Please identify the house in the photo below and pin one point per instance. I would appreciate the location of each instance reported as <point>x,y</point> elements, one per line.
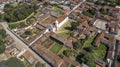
<point>84,30</point>
<point>106,17</point>
<point>11,51</point>
<point>100,63</point>
<point>115,11</point>
<point>57,38</point>
<point>51,19</point>
<point>68,63</point>
<point>51,58</point>
<point>30,58</point>
<point>112,28</point>
<point>105,38</point>
<point>110,42</point>
<point>70,41</point>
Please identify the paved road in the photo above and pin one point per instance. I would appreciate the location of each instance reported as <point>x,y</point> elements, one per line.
<point>18,40</point>
<point>75,7</point>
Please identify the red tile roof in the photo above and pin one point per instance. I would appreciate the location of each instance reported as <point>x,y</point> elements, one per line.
<point>47,55</point>
<point>104,38</point>
<point>69,62</point>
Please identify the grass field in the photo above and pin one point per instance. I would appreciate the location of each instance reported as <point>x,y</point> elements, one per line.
<point>88,42</point>
<point>56,48</point>
<point>100,52</point>
<point>63,31</point>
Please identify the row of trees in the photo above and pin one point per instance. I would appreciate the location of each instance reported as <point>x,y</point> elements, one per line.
<point>19,12</point>
<point>2,42</point>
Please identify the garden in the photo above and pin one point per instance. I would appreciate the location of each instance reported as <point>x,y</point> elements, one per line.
<point>2,41</point>
<point>89,41</point>
<point>56,48</point>
<point>17,25</point>
<point>18,12</point>
<point>66,30</point>
<point>14,62</point>
<point>47,43</point>
<point>90,53</point>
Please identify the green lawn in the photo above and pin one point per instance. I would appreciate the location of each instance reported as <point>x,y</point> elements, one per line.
<point>100,52</point>
<point>64,30</point>
<point>65,34</point>
<point>56,48</point>
<point>57,9</point>
<point>88,42</point>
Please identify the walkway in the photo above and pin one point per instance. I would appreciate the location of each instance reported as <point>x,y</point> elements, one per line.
<point>23,44</point>
<point>24,19</point>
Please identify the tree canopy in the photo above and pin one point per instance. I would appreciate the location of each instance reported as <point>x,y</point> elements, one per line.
<point>19,12</point>
<point>14,62</point>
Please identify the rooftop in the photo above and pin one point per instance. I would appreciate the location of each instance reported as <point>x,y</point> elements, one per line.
<point>52,58</point>
<point>69,62</point>
<point>105,38</point>
<point>107,18</point>
<point>101,24</point>
<point>30,57</point>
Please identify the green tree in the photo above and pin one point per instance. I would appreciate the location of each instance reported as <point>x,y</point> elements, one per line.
<point>78,44</point>
<point>17,13</point>
<point>74,25</point>
<point>14,62</point>
<point>69,53</point>
<point>2,33</point>
<point>2,46</point>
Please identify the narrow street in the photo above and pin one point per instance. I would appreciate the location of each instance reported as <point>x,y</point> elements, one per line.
<point>75,7</point>
<point>19,41</point>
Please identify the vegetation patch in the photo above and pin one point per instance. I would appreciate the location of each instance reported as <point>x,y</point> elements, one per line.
<point>2,41</point>
<point>70,53</point>
<point>89,41</point>
<point>90,12</point>
<point>17,25</point>
<point>66,30</point>
<point>56,48</point>
<point>57,9</point>
<point>92,55</point>
<point>14,62</point>
<point>19,12</point>
<point>47,43</point>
